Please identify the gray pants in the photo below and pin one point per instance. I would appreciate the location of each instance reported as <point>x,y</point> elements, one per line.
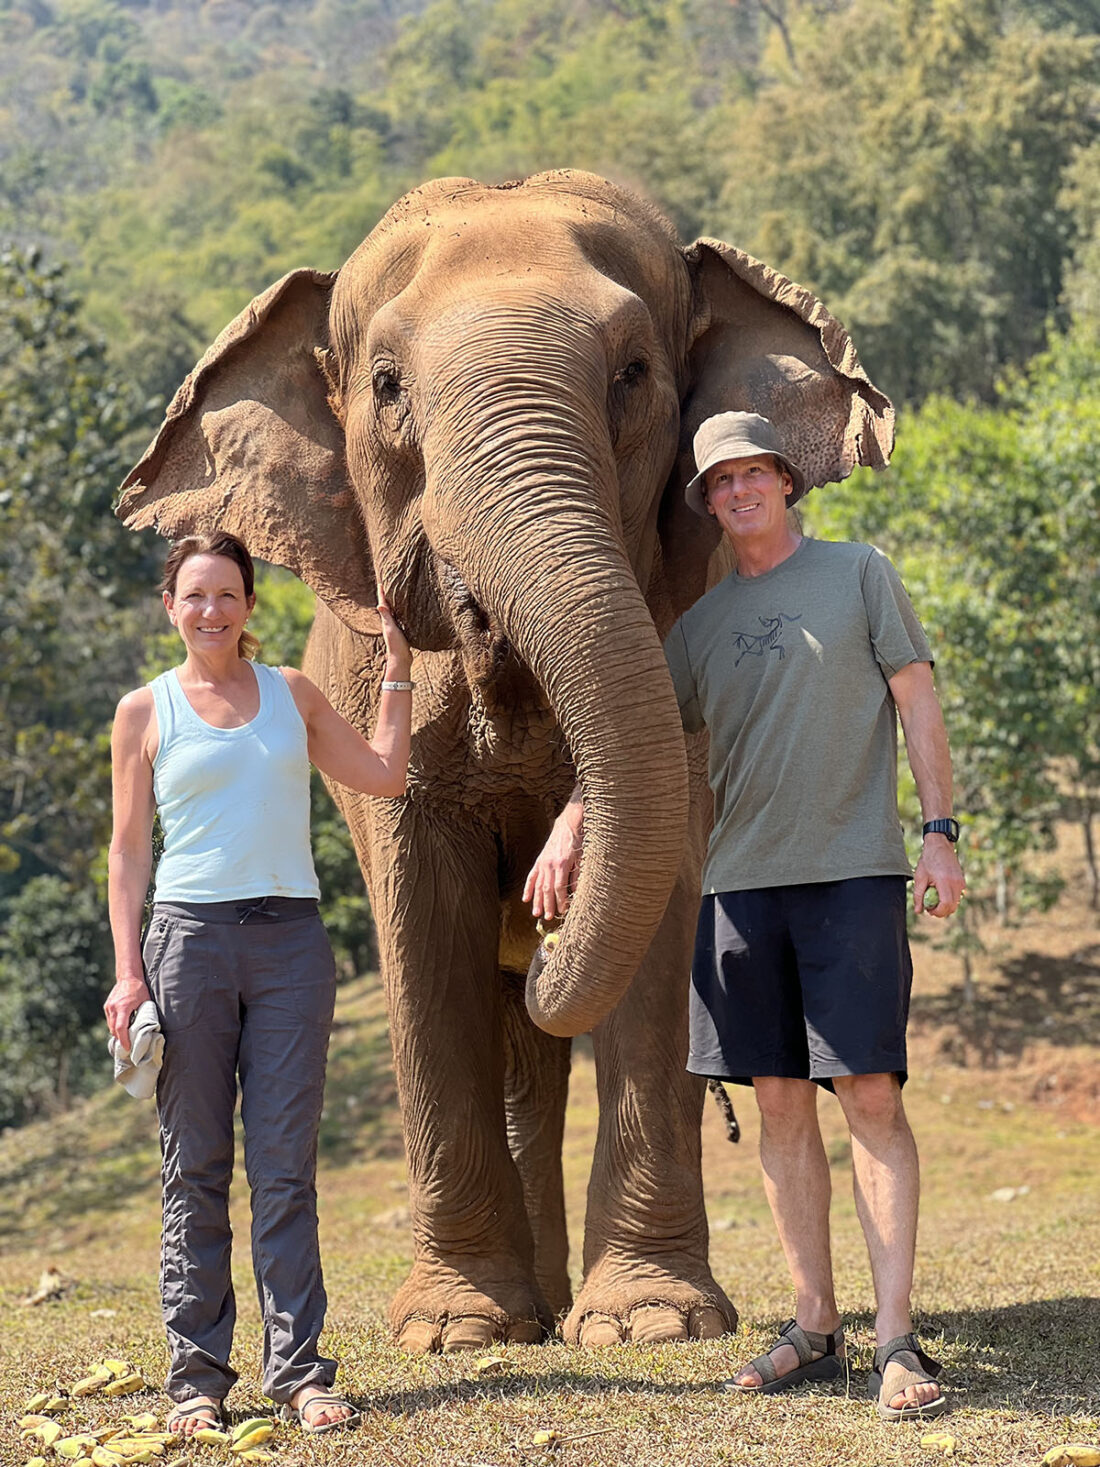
<point>242,988</point>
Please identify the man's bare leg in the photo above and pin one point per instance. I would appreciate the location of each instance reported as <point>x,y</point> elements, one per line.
<point>886,1181</point>
<point>796,1181</point>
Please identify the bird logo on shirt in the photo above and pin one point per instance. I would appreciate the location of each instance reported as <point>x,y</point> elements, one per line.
<point>751,644</point>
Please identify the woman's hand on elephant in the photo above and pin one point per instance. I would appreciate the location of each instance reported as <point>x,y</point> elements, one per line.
<point>123,1001</point>
<point>398,653</point>
<point>553,878</point>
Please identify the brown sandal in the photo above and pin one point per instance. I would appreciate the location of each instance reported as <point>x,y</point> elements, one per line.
<point>918,1369</point>
<point>818,1359</point>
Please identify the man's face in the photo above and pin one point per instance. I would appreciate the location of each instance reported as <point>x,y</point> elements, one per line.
<point>748,496</point>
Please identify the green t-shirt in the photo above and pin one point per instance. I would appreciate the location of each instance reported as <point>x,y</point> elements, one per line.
<point>787,671</point>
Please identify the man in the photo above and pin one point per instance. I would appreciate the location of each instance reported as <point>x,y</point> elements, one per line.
<point>795,664</point>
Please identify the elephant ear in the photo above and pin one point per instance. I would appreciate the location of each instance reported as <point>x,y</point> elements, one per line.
<point>759,343</point>
<point>250,444</point>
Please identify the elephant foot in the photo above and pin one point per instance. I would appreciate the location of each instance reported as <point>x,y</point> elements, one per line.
<point>446,1307</point>
<point>643,1302</point>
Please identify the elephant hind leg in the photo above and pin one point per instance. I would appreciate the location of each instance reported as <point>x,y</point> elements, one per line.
<point>536,1086</point>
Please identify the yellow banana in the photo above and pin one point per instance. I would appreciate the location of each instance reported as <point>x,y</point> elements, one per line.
<point>253,1439</point>
<point>37,1402</point>
<point>116,1368</point>
<point>938,1441</point>
<point>89,1385</point>
<point>546,1438</point>
<point>104,1457</point>
<point>28,1423</point>
<point>1073,1454</point>
<point>131,1446</point>
<point>209,1437</point>
<point>49,1432</point>
<point>144,1422</point>
<point>55,1403</point>
<point>126,1385</point>
<point>257,1454</point>
<point>72,1447</point>
<point>254,1423</point>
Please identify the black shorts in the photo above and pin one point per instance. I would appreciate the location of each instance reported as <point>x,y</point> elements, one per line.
<point>804,982</point>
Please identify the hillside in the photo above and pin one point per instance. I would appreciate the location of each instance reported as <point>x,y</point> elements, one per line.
<point>929,171</point>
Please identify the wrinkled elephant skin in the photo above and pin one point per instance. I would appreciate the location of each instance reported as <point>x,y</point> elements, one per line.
<point>490,409</point>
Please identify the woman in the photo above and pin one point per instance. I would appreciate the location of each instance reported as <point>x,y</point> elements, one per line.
<point>238,964</point>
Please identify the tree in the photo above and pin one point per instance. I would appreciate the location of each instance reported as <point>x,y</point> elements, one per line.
<point>54,974</point>
<point>990,514</point>
<point>69,573</point>
<point>911,175</point>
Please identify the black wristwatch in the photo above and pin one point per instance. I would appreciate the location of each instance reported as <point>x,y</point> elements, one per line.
<point>948,826</point>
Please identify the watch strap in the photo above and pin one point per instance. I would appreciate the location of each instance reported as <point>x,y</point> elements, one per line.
<point>947,826</point>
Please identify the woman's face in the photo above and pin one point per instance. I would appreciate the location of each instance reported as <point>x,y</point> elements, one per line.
<point>209,608</point>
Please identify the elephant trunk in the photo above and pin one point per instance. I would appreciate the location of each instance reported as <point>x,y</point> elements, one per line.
<point>543,556</point>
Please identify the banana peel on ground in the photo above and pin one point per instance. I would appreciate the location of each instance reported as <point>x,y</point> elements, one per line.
<point>1073,1454</point>
<point>938,1441</point>
<point>254,1423</point>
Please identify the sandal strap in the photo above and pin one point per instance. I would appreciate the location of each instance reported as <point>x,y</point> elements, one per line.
<point>187,1409</point>
<point>920,1366</point>
<point>807,1344</point>
<point>322,1401</point>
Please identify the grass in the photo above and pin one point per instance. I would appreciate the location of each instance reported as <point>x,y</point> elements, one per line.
<point>1005,1101</point>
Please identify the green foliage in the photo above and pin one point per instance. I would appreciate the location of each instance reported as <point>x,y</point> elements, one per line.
<point>910,173</point>
<point>991,514</point>
<point>54,966</point>
<point>928,170</point>
<point>68,634</point>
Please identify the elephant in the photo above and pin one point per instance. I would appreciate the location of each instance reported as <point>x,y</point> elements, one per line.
<point>489,410</point>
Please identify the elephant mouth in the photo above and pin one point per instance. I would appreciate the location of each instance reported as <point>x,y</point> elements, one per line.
<point>487,653</point>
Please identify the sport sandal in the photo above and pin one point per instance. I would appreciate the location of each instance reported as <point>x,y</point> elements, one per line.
<point>203,1413</point>
<point>918,1369</point>
<point>818,1359</point>
<point>322,1401</point>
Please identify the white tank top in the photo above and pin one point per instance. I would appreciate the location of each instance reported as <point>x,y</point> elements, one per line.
<point>233,802</point>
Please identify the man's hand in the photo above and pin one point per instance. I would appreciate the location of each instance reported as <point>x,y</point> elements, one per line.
<point>553,878</point>
<point>939,867</point>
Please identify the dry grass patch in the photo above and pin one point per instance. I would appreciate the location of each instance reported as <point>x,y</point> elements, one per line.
<point>1007,1286</point>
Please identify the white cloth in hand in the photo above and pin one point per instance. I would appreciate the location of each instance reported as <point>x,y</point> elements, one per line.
<point>137,1068</point>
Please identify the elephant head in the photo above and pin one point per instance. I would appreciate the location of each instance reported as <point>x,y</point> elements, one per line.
<point>490,409</point>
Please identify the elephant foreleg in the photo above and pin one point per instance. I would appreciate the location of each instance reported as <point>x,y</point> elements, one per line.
<point>536,1084</point>
<point>434,893</point>
<point>646,1275</point>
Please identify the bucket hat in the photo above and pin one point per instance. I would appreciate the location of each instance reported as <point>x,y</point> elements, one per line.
<point>736,435</point>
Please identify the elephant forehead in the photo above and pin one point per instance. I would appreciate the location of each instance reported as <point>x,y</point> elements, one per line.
<point>484,237</point>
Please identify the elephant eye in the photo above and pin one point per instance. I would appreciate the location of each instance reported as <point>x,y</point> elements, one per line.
<point>632,372</point>
<point>387,385</point>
